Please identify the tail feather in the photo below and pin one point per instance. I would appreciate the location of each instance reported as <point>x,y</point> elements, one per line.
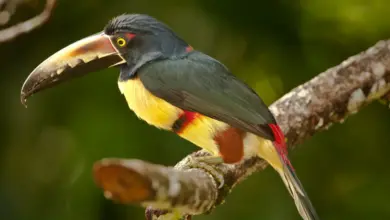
<point>282,165</point>
<point>301,199</point>
<point>275,153</point>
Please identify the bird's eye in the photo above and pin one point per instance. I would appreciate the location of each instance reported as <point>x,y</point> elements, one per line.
<point>121,42</point>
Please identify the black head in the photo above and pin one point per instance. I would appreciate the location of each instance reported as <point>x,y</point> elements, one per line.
<point>129,41</point>
<point>141,39</point>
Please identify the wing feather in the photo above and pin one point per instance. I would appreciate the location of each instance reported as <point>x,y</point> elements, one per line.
<point>201,84</point>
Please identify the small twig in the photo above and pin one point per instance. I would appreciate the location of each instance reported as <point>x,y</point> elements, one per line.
<point>7,9</point>
<point>27,26</point>
<point>308,109</point>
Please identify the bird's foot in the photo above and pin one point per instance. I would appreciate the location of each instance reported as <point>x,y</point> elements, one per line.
<point>208,163</point>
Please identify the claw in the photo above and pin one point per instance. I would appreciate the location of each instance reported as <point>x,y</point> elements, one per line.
<point>208,163</point>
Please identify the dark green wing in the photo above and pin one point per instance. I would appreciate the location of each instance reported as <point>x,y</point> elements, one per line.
<point>201,84</point>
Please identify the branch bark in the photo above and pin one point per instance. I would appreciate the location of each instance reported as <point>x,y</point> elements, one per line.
<point>26,26</point>
<point>192,188</point>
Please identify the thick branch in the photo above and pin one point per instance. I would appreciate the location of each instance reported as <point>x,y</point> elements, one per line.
<point>312,107</point>
<point>26,26</point>
<point>136,181</point>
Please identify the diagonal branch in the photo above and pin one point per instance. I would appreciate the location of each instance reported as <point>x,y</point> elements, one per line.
<point>191,188</point>
<point>29,25</point>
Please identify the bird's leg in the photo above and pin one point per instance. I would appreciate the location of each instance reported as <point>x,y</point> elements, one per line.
<point>212,160</point>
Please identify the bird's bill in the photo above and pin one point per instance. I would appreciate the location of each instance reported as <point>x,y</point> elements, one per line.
<point>90,54</point>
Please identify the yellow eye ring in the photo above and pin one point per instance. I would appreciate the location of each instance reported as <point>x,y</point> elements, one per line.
<point>121,42</point>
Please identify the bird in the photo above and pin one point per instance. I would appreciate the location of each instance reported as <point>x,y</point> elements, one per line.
<point>172,86</point>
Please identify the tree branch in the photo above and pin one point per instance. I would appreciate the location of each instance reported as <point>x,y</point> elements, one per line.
<point>191,188</point>
<point>26,26</point>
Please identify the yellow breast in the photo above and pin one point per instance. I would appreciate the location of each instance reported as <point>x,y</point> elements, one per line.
<point>148,107</point>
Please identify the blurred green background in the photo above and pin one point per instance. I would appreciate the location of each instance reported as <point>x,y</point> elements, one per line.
<point>47,150</point>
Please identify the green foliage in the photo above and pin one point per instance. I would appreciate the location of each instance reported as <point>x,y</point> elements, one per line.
<point>47,150</point>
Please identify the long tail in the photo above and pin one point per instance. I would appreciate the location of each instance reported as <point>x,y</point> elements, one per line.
<point>276,155</point>
<point>301,199</point>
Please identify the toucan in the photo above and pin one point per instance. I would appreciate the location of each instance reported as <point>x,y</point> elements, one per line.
<point>172,86</point>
